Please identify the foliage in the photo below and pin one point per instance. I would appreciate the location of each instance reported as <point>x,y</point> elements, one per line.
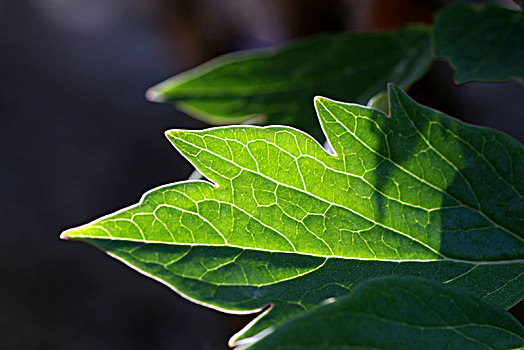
<point>278,85</point>
<point>483,43</point>
<point>402,193</point>
<point>399,313</point>
<point>284,222</point>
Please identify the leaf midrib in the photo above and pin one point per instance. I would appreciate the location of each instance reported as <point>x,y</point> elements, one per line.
<point>304,85</point>
<point>345,208</point>
<point>264,250</point>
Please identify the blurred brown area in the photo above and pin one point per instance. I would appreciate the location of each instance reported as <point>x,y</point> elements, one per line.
<point>79,141</point>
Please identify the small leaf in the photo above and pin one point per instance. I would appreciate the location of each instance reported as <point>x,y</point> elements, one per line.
<point>276,86</point>
<point>284,222</point>
<point>482,42</point>
<point>380,102</point>
<point>399,313</point>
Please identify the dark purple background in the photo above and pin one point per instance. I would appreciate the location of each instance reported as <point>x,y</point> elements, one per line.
<point>78,140</point>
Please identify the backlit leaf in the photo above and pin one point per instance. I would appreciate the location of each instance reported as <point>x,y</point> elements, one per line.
<point>284,222</point>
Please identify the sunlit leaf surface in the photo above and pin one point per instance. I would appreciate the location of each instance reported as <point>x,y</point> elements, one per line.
<point>284,222</point>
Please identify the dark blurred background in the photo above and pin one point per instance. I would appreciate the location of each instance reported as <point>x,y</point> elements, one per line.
<point>78,140</point>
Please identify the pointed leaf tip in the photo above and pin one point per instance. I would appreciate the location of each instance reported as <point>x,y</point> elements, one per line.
<point>173,133</point>
<point>153,95</point>
<point>320,100</point>
<point>65,235</point>
<point>317,99</point>
<point>71,233</point>
<point>394,88</point>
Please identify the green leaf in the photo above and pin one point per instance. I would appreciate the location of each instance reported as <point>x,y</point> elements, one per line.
<point>380,102</point>
<point>482,42</point>
<point>276,86</point>
<point>399,313</point>
<point>284,222</point>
